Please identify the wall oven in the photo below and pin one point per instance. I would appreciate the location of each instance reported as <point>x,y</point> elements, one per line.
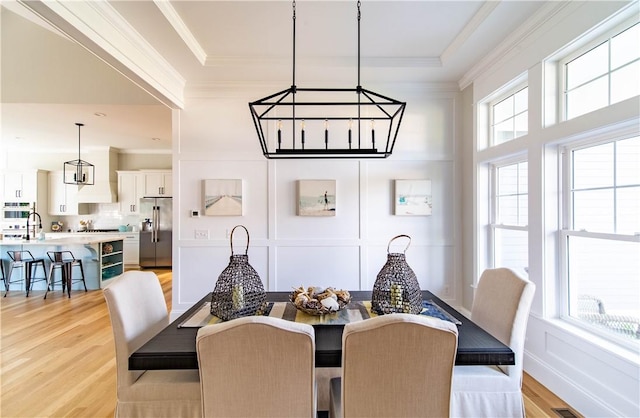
<point>13,231</point>
<point>14,220</point>
<point>16,211</point>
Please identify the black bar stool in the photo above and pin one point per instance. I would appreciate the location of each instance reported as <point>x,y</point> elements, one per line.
<point>24,260</point>
<point>65,261</point>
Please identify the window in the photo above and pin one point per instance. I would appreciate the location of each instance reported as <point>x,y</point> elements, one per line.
<point>604,74</point>
<point>601,238</point>
<point>510,216</point>
<point>509,116</point>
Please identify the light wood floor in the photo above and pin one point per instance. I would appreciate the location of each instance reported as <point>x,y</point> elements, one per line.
<point>57,357</point>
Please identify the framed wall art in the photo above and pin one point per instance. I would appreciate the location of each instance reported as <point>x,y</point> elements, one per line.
<point>413,197</point>
<point>222,197</point>
<point>316,198</point>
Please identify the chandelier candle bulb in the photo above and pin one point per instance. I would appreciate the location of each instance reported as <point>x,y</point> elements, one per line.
<point>279,133</point>
<point>326,134</point>
<point>373,134</point>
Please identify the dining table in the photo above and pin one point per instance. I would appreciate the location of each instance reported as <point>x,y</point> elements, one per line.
<point>175,346</point>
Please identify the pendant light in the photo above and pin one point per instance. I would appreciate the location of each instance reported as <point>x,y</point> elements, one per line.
<point>79,172</point>
<point>326,122</point>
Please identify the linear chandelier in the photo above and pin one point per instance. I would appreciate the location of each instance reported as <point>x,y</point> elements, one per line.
<point>78,172</point>
<point>326,122</point>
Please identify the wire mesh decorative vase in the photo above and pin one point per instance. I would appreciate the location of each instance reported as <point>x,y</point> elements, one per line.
<point>396,288</point>
<point>239,290</point>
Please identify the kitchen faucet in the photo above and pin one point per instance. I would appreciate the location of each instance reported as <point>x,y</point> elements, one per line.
<point>34,213</point>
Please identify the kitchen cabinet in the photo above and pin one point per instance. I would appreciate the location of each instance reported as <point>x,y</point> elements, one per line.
<point>22,185</point>
<point>158,184</point>
<point>63,198</point>
<point>130,190</point>
<point>131,243</point>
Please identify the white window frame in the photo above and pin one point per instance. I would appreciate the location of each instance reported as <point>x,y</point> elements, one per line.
<point>562,76</point>
<point>566,232</point>
<point>493,206</point>
<point>512,91</point>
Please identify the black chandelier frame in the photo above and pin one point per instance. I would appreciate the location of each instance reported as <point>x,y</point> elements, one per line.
<point>294,108</point>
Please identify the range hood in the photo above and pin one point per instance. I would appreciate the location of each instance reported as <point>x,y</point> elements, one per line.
<point>106,181</point>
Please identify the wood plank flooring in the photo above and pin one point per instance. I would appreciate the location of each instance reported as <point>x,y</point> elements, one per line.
<point>57,357</point>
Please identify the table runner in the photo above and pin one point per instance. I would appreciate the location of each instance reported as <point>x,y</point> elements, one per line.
<point>354,311</point>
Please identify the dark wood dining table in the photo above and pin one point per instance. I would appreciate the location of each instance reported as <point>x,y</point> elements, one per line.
<point>175,347</point>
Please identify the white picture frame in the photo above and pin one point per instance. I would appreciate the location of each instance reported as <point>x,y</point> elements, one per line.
<point>412,198</point>
<point>222,197</point>
<point>316,198</point>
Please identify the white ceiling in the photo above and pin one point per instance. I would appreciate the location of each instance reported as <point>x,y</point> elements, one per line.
<point>49,82</point>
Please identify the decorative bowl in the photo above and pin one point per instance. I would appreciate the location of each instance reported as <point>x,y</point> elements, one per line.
<point>107,248</point>
<point>319,301</point>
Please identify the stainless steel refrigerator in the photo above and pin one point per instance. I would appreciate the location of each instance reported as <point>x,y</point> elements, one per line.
<point>155,236</point>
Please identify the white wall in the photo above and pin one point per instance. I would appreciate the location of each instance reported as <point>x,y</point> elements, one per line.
<point>214,138</point>
<point>593,376</point>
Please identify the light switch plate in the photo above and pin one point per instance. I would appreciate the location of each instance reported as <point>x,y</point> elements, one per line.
<point>202,234</point>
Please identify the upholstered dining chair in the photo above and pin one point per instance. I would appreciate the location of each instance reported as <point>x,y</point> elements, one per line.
<point>501,307</point>
<point>257,366</point>
<point>397,365</point>
<point>138,311</point>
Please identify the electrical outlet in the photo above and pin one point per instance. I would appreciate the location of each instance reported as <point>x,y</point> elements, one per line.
<point>202,234</point>
<point>446,290</point>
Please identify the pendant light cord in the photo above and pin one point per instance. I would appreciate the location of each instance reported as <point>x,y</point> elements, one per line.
<point>359,15</point>
<point>293,83</point>
<point>79,125</point>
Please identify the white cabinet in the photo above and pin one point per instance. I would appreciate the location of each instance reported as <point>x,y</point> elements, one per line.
<point>158,184</point>
<point>63,198</point>
<point>20,186</point>
<point>130,190</point>
<point>132,249</point>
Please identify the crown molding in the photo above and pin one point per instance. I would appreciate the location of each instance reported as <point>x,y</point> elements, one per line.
<point>511,43</point>
<point>100,29</point>
<point>468,30</point>
<point>252,90</point>
<point>182,29</point>
<point>336,62</point>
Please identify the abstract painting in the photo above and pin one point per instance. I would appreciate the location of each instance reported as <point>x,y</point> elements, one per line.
<point>316,198</point>
<point>222,197</point>
<point>413,197</point>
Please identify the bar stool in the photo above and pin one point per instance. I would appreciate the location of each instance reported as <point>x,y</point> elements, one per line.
<point>24,260</point>
<point>65,261</point>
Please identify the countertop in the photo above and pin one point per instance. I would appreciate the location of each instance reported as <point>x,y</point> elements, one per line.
<point>76,240</point>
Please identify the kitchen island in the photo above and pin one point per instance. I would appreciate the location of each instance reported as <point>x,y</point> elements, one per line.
<point>102,257</point>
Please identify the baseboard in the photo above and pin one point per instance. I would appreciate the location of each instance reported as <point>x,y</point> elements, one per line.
<point>587,404</point>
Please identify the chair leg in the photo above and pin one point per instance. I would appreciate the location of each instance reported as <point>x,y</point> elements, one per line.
<point>82,275</point>
<point>50,280</point>
<point>67,273</point>
<point>28,274</point>
<point>32,268</point>
<point>7,281</point>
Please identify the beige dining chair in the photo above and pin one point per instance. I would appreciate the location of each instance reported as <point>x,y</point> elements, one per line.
<point>397,365</point>
<point>501,307</point>
<point>257,366</point>
<point>138,312</point>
